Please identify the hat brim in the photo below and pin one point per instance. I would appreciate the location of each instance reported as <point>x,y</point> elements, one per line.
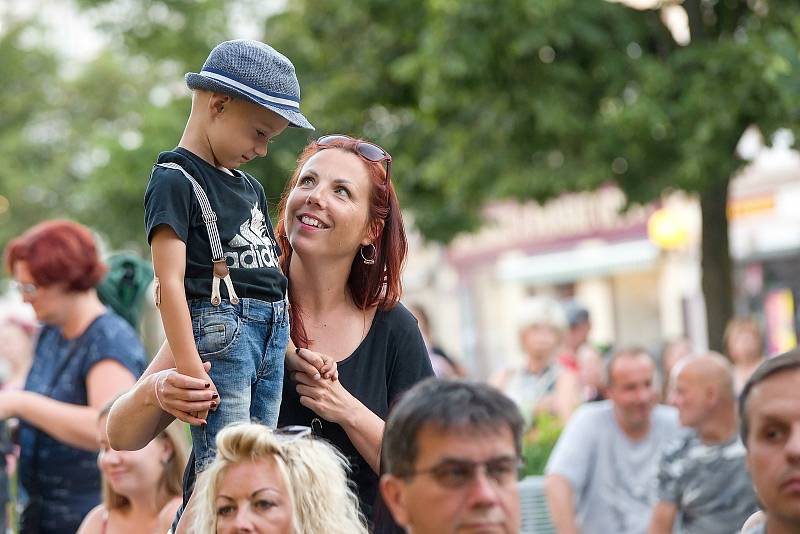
<point>202,83</point>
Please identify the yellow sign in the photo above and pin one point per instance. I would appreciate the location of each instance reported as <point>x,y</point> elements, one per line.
<point>749,206</point>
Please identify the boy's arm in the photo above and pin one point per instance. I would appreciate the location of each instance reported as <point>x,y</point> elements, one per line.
<point>169,264</point>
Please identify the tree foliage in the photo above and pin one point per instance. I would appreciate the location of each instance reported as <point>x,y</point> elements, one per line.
<point>533,98</point>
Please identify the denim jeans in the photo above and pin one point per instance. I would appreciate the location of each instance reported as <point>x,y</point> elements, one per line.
<point>246,345</point>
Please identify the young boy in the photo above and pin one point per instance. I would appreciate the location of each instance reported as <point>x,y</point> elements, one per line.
<point>219,288</point>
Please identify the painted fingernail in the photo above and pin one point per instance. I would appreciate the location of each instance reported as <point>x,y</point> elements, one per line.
<point>297,350</point>
<point>203,424</point>
<point>213,405</point>
<point>214,395</point>
<point>208,385</point>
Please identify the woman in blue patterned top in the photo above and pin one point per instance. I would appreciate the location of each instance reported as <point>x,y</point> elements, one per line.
<point>85,355</point>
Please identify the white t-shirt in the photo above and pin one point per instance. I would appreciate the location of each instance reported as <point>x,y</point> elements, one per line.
<point>614,479</point>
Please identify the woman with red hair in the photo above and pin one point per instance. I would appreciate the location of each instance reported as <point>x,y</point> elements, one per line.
<point>343,246</point>
<point>85,355</point>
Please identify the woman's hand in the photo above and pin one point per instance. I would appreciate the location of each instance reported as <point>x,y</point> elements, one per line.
<point>313,364</point>
<point>331,401</point>
<point>183,396</point>
<point>327,398</point>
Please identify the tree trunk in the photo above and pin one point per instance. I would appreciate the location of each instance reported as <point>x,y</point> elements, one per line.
<point>716,262</point>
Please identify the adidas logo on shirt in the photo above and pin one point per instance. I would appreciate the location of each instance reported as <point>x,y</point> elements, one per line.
<point>253,236</point>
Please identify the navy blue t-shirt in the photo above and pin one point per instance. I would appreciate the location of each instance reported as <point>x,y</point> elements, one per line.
<point>64,479</point>
<point>245,231</point>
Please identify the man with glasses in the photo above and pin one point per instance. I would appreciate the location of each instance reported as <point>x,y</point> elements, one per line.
<point>451,452</point>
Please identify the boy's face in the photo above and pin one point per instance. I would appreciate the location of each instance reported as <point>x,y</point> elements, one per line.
<point>239,131</point>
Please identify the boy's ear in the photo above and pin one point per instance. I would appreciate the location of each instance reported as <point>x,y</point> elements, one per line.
<point>216,103</point>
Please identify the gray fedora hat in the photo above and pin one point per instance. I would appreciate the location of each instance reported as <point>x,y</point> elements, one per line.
<point>255,72</point>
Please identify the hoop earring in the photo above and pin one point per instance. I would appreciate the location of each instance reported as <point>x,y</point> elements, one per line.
<point>371,259</point>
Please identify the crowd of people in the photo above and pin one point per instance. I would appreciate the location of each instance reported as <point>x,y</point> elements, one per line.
<point>317,402</point>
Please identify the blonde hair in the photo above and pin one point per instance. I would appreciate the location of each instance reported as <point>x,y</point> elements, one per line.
<point>313,471</point>
<point>172,476</point>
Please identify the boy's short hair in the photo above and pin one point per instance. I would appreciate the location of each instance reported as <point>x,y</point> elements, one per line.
<point>255,72</point>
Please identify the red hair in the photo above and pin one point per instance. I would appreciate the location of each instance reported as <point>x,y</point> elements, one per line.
<point>58,252</point>
<point>369,285</point>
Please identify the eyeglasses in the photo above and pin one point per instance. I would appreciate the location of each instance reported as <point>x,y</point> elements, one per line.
<point>368,151</point>
<point>25,288</point>
<point>459,474</point>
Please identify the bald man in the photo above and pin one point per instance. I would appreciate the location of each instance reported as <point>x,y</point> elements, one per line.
<point>703,480</point>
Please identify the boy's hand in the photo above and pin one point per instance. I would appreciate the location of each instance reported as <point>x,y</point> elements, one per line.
<point>199,371</point>
<point>182,396</point>
<point>315,364</point>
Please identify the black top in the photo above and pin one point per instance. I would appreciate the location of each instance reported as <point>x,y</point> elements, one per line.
<point>391,359</point>
<point>245,232</point>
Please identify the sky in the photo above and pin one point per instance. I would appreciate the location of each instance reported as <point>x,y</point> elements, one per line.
<point>72,34</point>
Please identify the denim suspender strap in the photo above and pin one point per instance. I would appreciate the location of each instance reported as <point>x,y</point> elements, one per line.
<point>221,271</point>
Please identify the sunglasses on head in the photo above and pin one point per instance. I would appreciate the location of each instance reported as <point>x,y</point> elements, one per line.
<point>368,151</point>
<point>290,434</point>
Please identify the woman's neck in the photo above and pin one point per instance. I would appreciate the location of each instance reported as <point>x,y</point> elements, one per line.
<point>146,505</point>
<point>81,309</point>
<point>321,286</point>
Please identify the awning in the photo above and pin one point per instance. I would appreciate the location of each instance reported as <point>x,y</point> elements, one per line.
<point>591,259</point>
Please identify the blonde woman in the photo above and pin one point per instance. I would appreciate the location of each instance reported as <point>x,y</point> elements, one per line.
<point>141,489</point>
<point>265,482</point>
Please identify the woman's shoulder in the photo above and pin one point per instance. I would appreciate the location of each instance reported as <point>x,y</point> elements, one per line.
<point>110,323</point>
<point>398,328</point>
<point>94,520</point>
<point>110,334</point>
<point>167,514</point>
<point>397,317</point>
<point>111,330</point>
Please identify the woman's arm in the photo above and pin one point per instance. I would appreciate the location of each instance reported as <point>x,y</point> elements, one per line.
<point>331,401</point>
<point>137,418</point>
<point>69,423</point>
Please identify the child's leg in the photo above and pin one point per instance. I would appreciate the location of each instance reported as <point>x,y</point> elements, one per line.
<point>268,386</point>
<point>218,334</point>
